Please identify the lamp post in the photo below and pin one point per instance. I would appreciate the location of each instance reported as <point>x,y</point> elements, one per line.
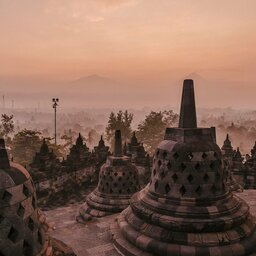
<point>54,105</point>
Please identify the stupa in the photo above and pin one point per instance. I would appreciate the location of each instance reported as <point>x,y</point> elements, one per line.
<point>228,153</point>
<point>136,151</point>
<point>118,181</point>
<point>139,157</point>
<point>101,152</point>
<point>79,156</point>
<point>45,163</point>
<point>21,233</point>
<point>249,170</point>
<point>187,208</point>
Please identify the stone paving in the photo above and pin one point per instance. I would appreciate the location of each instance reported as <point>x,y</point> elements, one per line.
<point>85,240</point>
<point>250,197</point>
<point>94,239</point>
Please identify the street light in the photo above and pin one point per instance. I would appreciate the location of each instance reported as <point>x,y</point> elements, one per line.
<point>54,105</point>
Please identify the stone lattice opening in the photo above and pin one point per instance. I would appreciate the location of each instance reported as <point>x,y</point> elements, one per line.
<point>31,224</point>
<point>7,196</point>
<point>176,155</point>
<point>183,167</point>
<point>27,249</point>
<point>25,191</point>
<point>13,235</point>
<point>175,177</point>
<point>34,202</point>
<point>21,211</point>
<point>162,175</point>
<point>206,177</point>
<point>1,219</point>
<point>204,155</point>
<point>190,178</point>
<point>199,190</point>
<point>39,237</point>
<point>213,189</point>
<point>156,185</point>
<point>167,188</point>
<point>183,190</point>
<point>169,165</point>
<point>197,166</point>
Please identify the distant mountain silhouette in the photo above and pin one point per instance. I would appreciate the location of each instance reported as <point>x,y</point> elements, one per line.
<point>94,82</point>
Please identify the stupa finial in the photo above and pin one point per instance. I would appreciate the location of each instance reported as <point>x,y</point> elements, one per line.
<point>4,160</point>
<point>118,143</point>
<point>188,106</point>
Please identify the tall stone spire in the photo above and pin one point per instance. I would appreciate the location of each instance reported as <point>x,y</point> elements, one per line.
<point>227,148</point>
<point>134,140</point>
<point>44,148</point>
<point>118,144</point>
<point>4,160</point>
<point>188,106</point>
<point>101,142</point>
<point>79,140</point>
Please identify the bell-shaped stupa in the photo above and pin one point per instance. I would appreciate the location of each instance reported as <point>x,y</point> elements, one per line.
<point>228,152</point>
<point>187,208</point>
<point>118,181</point>
<point>21,233</point>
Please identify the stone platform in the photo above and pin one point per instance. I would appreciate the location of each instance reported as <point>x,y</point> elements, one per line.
<point>94,239</point>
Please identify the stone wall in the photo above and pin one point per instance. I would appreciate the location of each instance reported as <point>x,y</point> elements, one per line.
<point>246,178</point>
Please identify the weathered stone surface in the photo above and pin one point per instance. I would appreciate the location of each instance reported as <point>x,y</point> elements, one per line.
<point>187,208</point>
<point>228,154</point>
<point>92,239</point>
<point>23,228</point>
<point>118,181</point>
<point>135,150</point>
<point>100,153</point>
<point>79,156</point>
<point>45,163</point>
<point>20,229</point>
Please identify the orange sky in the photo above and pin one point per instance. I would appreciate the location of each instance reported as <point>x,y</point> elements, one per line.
<point>130,39</point>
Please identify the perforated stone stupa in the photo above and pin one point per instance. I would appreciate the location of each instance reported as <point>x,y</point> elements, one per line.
<point>118,181</point>
<point>187,208</point>
<point>45,163</point>
<point>21,233</point>
<point>228,153</point>
<point>79,156</point>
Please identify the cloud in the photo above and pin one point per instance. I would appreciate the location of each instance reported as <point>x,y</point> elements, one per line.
<point>105,5</point>
<point>94,18</point>
<point>79,6</point>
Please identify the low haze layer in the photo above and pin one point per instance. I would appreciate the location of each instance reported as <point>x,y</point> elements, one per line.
<point>141,49</point>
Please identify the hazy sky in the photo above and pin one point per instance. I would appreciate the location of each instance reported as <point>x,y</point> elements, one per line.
<point>130,39</point>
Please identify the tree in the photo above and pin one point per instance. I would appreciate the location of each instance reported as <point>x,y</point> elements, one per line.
<point>151,130</point>
<point>119,121</point>
<point>24,146</point>
<point>7,125</point>
<point>26,143</point>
